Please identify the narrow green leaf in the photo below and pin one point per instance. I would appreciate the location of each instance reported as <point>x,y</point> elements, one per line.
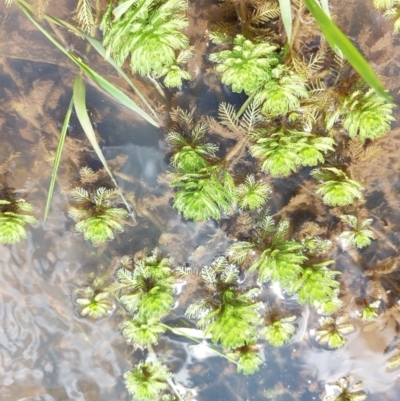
<point>79,98</point>
<point>325,7</point>
<point>98,46</point>
<point>338,40</point>
<point>111,90</point>
<point>286,12</point>
<point>121,9</point>
<point>58,157</point>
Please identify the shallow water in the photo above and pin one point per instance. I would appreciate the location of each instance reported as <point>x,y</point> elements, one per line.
<point>48,352</point>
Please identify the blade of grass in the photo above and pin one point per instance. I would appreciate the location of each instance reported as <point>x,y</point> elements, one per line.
<point>286,12</point>
<point>79,99</point>
<point>98,46</point>
<point>58,157</point>
<point>121,9</point>
<point>325,7</point>
<point>338,40</point>
<point>110,89</point>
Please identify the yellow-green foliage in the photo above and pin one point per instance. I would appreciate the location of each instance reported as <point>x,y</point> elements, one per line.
<point>148,32</point>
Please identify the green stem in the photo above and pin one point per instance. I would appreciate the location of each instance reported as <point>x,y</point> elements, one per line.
<point>181,333</point>
<point>245,104</point>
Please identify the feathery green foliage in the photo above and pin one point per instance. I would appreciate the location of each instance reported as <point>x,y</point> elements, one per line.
<point>331,331</point>
<point>337,189</point>
<point>147,289</point>
<point>252,194</point>
<point>84,16</point>
<point>147,380</point>
<point>190,154</point>
<point>227,314</point>
<point>149,33</point>
<point>282,94</point>
<point>248,357</point>
<point>12,221</point>
<point>205,194</point>
<point>282,152</point>
<point>94,302</point>
<point>204,189</point>
<point>95,215</point>
<point>392,10</point>
<point>248,66</point>
<point>279,332</point>
<point>346,389</point>
<point>358,235</point>
<point>141,331</point>
<point>277,258</point>
<point>366,115</point>
<point>316,284</point>
<point>371,311</point>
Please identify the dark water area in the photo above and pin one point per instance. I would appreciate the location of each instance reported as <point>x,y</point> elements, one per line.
<point>49,353</point>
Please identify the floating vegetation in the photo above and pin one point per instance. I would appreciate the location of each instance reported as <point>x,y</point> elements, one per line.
<point>332,331</point>
<point>359,235</point>
<point>147,380</point>
<point>149,33</point>
<point>270,263</point>
<point>96,216</point>
<point>345,389</point>
<point>13,220</point>
<point>94,301</point>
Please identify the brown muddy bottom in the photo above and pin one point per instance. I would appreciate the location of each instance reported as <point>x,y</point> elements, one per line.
<point>48,352</point>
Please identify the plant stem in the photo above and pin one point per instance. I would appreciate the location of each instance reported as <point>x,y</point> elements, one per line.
<point>245,104</point>
<point>181,333</point>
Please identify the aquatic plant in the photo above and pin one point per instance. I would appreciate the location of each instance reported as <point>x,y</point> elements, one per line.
<point>278,331</point>
<point>190,154</point>
<point>345,389</point>
<point>392,10</point>
<point>149,33</point>
<point>365,115</point>
<point>277,258</point>
<point>147,380</point>
<point>205,194</point>
<point>316,284</point>
<point>205,188</point>
<point>227,314</point>
<point>142,331</point>
<point>358,235</point>
<point>394,361</point>
<point>332,330</point>
<point>248,66</point>
<point>148,289</point>
<point>94,302</point>
<point>13,221</point>
<point>248,359</point>
<point>371,311</point>
<point>95,215</point>
<point>337,189</point>
<point>283,151</point>
<point>252,194</point>
<point>282,94</point>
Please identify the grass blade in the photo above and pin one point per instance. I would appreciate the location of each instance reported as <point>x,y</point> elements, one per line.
<point>121,9</point>
<point>98,46</point>
<point>79,99</point>
<point>325,7</point>
<point>338,40</point>
<point>58,157</point>
<point>111,90</point>
<point>286,12</point>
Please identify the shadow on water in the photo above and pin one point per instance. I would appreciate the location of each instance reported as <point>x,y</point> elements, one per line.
<point>47,352</point>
